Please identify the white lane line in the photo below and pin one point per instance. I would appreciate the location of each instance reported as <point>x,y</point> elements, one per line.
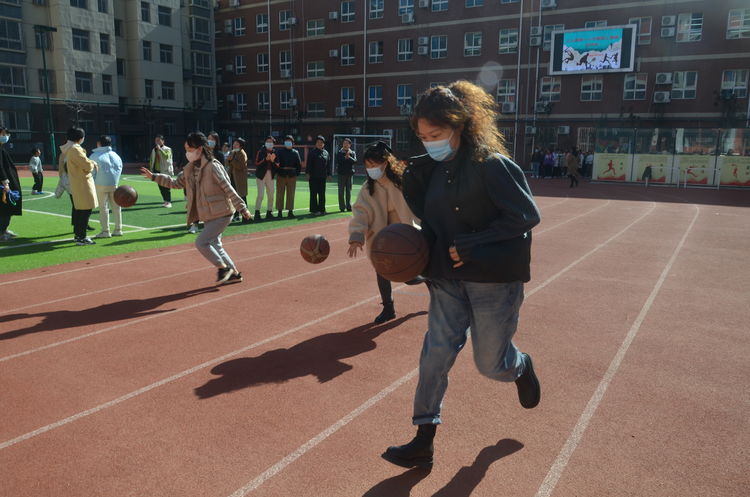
<point>234,239</point>
<point>300,451</point>
<point>37,197</point>
<point>67,216</point>
<point>572,218</point>
<point>177,376</point>
<point>557,468</point>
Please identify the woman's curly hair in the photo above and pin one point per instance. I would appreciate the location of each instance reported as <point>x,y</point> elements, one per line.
<point>463,103</point>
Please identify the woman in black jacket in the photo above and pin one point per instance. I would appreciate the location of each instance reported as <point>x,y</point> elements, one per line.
<point>477,213</point>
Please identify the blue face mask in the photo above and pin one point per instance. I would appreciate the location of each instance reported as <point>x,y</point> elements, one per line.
<point>211,143</point>
<point>269,146</point>
<point>439,149</point>
<point>4,139</point>
<point>288,144</point>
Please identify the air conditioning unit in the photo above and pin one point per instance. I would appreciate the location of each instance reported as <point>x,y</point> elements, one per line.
<point>663,78</point>
<point>563,130</point>
<point>549,4</point>
<point>286,73</point>
<point>535,41</point>
<point>356,130</point>
<point>333,15</point>
<point>667,32</point>
<point>229,68</point>
<point>423,40</point>
<point>340,111</point>
<point>423,50</point>
<point>668,20</point>
<point>291,21</point>
<point>424,4</point>
<point>530,130</point>
<point>292,101</point>
<point>661,97</point>
<point>230,97</point>
<point>228,26</point>
<point>540,107</point>
<point>236,115</point>
<point>334,52</point>
<point>536,31</point>
<point>234,3</point>
<point>388,132</point>
<point>407,18</point>
<point>405,110</point>
<point>508,107</point>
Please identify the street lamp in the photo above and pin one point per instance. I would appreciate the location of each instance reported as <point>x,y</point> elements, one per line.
<point>41,32</point>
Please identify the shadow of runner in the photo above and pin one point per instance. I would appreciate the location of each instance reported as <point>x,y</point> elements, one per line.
<point>398,486</point>
<point>320,356</point>
<point>106,313</point>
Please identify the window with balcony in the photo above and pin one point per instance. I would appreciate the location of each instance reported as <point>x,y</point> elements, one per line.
<point>10,34</point>
<point>199,29</point>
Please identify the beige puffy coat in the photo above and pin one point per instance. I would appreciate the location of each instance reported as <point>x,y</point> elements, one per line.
<point>73,160</point>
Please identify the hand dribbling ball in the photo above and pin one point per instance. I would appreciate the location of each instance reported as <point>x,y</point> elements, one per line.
<point>399,252</point>
<point>125,196</point>
<point>314,249</point>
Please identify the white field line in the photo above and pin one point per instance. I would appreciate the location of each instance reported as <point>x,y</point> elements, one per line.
<point>563,223</point>
<point>68,217</point>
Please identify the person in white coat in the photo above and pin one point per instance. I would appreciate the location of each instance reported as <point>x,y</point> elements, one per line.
<point>106,180</point>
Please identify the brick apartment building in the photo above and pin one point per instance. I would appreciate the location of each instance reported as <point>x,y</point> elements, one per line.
<point>357,66</point>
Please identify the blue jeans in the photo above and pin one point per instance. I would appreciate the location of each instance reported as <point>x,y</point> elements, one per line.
<point>209,244</point>
<point>489,311</point>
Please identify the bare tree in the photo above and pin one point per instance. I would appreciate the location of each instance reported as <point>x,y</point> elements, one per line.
<point>76,108</point>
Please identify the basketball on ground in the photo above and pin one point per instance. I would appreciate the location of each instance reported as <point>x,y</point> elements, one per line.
<point>314,249</point>
<point>126,196</point>
<point>399,252</point>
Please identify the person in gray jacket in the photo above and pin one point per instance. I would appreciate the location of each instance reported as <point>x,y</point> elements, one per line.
<point>106,180</point>
<point>209,197</point>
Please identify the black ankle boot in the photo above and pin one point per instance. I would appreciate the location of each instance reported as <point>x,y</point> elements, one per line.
<point>415,454</point>
<point>387,314</point>
<point>269,215</point>
<point>256,216</point>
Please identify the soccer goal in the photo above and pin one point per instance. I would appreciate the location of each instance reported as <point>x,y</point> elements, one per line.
<point>359,143</point>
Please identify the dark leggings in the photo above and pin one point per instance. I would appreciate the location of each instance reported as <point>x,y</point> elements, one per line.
<point>573,180</point>
<point>80,222</point>
<point>385,289</point>
<point>4,222</point>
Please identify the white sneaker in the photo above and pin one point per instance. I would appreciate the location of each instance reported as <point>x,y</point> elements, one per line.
<point>117,233</point>
<point>103,234</point>
<point>5,237</point>
<point>193,229</point>
<point>168,205</point>
<point>10,233</point>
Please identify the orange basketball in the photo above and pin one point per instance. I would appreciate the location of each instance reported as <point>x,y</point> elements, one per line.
<point>314,249</point>
<point>399,252</point>
<point>126,196</point>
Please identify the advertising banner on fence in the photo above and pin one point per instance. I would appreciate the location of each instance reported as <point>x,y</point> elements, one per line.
<point>611,167</point>
<point>735,170</point>
<point>696,169</point>
<point>656,167</point>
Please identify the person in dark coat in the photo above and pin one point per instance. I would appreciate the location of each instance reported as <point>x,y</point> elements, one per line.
<point>290,165</point>
<point>318,170</point>
<point>10,197</point>
<point>266,164</point>
<point>345,160</point>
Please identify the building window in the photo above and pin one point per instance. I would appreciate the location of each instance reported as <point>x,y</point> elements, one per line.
<point>148,87</point>
<point>506,91</point>
<point>261,23</point>
<point>474,3</point>
<point>284,16</point>
<point>145,12</point>
<point>169,128</point>
<point>738,24</point>
<point>202,95</point>
<point>263,101</point>
<point>241,100</point>
<point>18,121</point>
<point>635,86</point>
<point>146,50</point>
<point>591,88</point>
<point>261,62</point>
<point>239,26</point>
<point>347,55</point>
<point>81,4</point>
<point>102,6</point>
<point>508,41</point>
<point>240,66</point>
<point>403,96</point>
<point>285,60</point>
<point>165,16</point>
<point>375,96</point>
<point>644,29</point>
<point>550,90</point>
<point>167,90</point>
<point>316,27</point>
<point>285,99</point>
<point>202,63</point>
<point>347,97</point>
<point>106,84</point>
<point>347,11</point>
<point>376,9</point>
<point>439,5</point>
<point>166,54</point>
<point>109,127</point>
<point>12,80</point>
<point>118,27</point>
<point>548,29</point>
<point>689,27</point>
<point>375,52</point>
<point>684,85</point>
<point>405,7</point>
<point>509,1</point>
<point>104,43</point>
<point>81,40</point>
<point>595,24</point>
<point>472,44</point>
<point>199,30</point>
<point>42,39</point>
<point>316,69</point>
<point>438,47</point>
<point>84,82</point>
<point>405,50</point>
<point>120,67</point>
<point>316,109</point>
<point>735,81</point>
<point>403,136</point>
<point>10,34</point>
<point>50,80</point>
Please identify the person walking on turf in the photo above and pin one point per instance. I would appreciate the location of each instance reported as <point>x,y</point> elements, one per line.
<point>82,188</point>
<point>10,188</point>
<point>237,166</point>
<point>290,165</point>
<point>209,197</point>
<point>266,164</point>
<point>318,171</point>
<point>477,213</point>
<point>35,166</point>
<point>379,203</point>
<point>106,179</point>
<point>345,160</point>
<point>161,162</point>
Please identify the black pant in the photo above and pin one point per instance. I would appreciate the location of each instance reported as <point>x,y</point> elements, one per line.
<point>317,195</point>
<point>38,180</point>
<point>385,289</point>
<point>345,191</point>
<point>80,222</point>
<point>4,222</point>
<point>166,193</point>
<point>573,179</point>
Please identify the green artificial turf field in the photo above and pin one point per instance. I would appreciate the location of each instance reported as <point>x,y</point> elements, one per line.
<point>45,234</point>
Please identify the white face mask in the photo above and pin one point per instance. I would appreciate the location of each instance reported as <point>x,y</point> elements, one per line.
<point>211,143</point>
<point>288,144</point>
<point>375,173</point>
<point>4,139</point>
<point>193,155</point>
<point>439,149</point>
<point>269,146</point>
<point>235,150</point>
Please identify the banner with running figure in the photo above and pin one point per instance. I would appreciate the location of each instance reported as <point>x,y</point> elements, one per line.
<point>696,169</point>
<point>735,170</point>
<point>612,167</point>
<point>657,168</point>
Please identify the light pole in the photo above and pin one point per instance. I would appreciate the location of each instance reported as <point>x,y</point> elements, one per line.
<point>42,33</point>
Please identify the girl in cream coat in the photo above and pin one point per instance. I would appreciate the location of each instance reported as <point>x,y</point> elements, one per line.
<point>379,203</point>
<point>73,160</point>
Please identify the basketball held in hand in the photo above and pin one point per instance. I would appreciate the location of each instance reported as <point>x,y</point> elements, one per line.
<point>399,252</point>
<point>314,249</point>
<point>126,196</point>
